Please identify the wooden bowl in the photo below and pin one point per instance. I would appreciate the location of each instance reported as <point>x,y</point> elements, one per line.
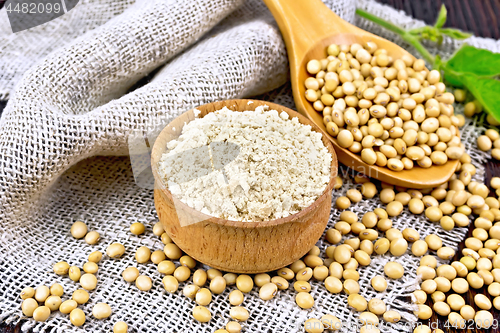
<point>236,246</point>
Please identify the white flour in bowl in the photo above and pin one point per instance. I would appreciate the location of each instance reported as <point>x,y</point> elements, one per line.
<point>247,166</point>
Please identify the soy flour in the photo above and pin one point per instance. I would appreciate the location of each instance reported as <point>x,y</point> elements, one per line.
<point>279,167</point>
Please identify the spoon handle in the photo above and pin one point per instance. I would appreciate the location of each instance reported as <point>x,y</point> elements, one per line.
<point>303,23</point>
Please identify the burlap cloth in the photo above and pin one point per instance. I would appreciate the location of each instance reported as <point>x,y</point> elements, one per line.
<point>66,83</point>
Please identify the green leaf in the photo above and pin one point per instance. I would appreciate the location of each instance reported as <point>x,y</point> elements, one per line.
<point>486,91</point>
<point>452,79</point>
<point>441,19</point>
<point>476,69</point>
<point>480,62</point>
<point>455,33</point>
<point>449,76</point>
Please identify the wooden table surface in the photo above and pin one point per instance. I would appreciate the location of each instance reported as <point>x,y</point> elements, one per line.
<point>481,17</point>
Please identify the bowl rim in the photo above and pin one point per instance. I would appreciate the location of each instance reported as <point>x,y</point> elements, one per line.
<point>159,185</point>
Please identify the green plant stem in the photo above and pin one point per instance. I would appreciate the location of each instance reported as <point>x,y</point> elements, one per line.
<point>409,38</point>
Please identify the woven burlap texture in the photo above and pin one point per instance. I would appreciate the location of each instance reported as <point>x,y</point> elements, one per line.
<point>72,106</point>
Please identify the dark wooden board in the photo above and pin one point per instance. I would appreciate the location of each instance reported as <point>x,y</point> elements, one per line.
<point>481,17</point>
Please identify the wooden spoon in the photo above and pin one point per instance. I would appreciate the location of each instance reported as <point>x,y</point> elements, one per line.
<point>308,27</point>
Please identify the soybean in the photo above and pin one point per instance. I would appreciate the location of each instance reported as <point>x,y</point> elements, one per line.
<point>379,283</point>
<point>143,283</point>
<point>304,300</point>
<point>201,314</point>
<point>394,270</point>
<point>78,229</point>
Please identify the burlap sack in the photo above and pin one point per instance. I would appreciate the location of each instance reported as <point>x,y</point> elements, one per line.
<point>70,106</point>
